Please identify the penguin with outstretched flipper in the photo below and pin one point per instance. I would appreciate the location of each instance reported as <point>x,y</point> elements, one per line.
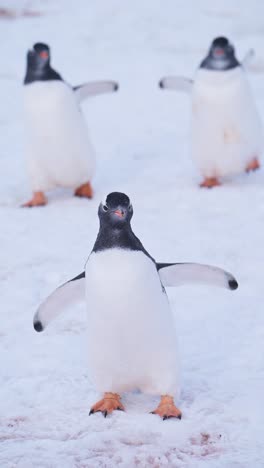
<point>59,150</point>
<point>226,131</point>
<point>131,329</point>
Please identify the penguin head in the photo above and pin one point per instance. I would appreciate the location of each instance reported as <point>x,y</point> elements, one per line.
<point>39,56</point>
<point>116,210</point>
<point>222,49</point>
<point>221,55</point>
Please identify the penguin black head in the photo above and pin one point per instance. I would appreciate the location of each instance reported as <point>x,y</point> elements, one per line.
<point>39,56</point>
<point>116,210</point>
<point>38,64</point>
<point>221,56</point>
<point>115,214</point>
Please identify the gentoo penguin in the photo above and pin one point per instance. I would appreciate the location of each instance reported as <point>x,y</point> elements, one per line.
<point>226,129</point>
<point>131,330</point>
<point>59,153</point>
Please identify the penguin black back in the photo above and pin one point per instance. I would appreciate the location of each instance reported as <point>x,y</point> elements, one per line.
<point>221,56</point>
<point>38,65</point>
<point>115,229</point>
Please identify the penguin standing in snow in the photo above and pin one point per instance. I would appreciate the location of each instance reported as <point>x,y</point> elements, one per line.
<point>226,128</point>
<point>60,153</point>
<point>132,336</point>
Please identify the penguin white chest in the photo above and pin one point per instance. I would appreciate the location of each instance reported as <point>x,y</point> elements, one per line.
<point>131,333</point>
<point>226,129</point>
<point>59,150</point>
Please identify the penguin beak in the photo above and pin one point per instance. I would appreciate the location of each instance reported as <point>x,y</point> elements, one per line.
<point>120,213</point>
<point>44,54</point>
<point>218,52</point>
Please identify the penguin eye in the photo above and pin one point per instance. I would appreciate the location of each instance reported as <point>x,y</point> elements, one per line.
<point>105,207</point>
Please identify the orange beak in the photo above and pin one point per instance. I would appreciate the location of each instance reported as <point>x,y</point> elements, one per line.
<point>219,52</point>
<point>44,54</point>
<point>119,213</point>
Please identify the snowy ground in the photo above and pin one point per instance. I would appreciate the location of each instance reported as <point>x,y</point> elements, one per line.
<point>141,136</point>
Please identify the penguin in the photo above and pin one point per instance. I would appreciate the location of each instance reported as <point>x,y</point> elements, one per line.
<point>226,131</point>
<point>59,151</point>
<point>131,330</point>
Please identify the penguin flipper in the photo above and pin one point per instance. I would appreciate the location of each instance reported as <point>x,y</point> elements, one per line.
<point>65,295</point>
<point>93,88</point>
<point>176,83</point>
<point>178,274</point>
<point>248,58</point>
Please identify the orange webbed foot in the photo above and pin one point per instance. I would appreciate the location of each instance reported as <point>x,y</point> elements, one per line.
<point>109,403</point>
<point>253,165</point>
<point>84,191</point>
<point>167,408</point>
<point>210,182</point>
<point>38,199</point>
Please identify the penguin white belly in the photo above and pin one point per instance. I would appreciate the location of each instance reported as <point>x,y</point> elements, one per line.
<point>60,153</point>
<point>131,332</point>
<point>226,129</point>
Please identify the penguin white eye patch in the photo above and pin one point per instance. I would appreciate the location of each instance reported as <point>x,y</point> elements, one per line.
<point>106,208</point>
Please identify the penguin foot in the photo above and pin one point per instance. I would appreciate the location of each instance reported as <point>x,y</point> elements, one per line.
<point>38,199</point>
<point>210,182</point>
<point>84,190</point>
<point>253,165</point>
<point>167,408</point>
<point>109,403</point>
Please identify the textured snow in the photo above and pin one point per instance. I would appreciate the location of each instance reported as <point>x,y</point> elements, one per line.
<point>141,136</point>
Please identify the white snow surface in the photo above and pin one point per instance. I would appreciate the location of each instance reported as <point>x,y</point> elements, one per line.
<point>141,136</point>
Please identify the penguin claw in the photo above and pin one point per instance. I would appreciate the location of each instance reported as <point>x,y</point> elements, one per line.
<point>38,199</point>
<point>171,416</point>
<point>109,403</point>
<point>210,182</point>
<point>254,165</point>
<point>167,409</point>
<point>84,191</point>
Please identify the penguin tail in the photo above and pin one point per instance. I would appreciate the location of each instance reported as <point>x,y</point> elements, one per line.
<point>62,298</point>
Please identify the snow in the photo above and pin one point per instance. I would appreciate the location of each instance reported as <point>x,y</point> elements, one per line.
<point>141,137</point>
